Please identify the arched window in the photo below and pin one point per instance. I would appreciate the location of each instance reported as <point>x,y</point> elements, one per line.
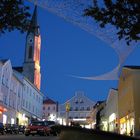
<point>30,52</point>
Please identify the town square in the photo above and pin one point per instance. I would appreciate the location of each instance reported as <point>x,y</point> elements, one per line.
<point>69,69</point>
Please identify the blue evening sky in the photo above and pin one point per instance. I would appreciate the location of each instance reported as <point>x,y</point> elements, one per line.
<point>67,50</point>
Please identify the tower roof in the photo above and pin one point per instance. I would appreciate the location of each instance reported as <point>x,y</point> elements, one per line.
<point>34,27</point>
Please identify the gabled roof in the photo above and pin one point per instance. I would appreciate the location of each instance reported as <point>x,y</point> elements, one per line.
<point>19,69</point>
<point>49,101</point>
<point>3,60</point>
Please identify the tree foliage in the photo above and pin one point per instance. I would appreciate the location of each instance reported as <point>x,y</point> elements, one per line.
<point>123,14</point>
<point>13,15</point>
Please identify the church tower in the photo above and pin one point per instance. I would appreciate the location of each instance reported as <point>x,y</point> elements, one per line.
<point>31,66</point>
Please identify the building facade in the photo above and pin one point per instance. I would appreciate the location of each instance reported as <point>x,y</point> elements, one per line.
<point>110,112</point>
<point>6,89</point>
<point>50,109</point>
<point>20,100</point>
<point>77,110</point>
<point>129,100</point>
<point>32,101</point>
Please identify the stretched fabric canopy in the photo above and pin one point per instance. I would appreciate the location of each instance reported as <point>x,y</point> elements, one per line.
<point>72,11</point>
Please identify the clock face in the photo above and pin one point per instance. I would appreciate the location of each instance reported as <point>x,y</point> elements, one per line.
<point>30,39</point>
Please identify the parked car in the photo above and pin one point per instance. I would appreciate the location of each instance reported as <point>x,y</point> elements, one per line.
<point>21,129</point>
<point>2,128</point>
<point>37,128</point>
<point>11,129</point>
<point>55,129</point>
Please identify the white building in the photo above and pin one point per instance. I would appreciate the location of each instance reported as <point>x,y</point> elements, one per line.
<point>78,110</point>
<point>20,100</point>
<point>50,108</point>
<point>10,93</point>
<point>110,112</point>
<point>32,100</point>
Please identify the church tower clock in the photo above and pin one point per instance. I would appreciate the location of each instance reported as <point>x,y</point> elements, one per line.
<point>31,66</point>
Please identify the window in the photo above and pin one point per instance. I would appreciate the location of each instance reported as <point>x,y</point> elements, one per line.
<point>29,105</point>
<point>26,104</point>
<point>30,92</point>
<point>81,101</point>
<point>76,101</point>
<point>23,102</point>
<point>88,108</point>
<point>82,108</point>
<point>36,97</point>
<point>48,108</point>
<point>71,108</point>
<point>33,109</point>
<point>54,108</point>
<point>76,108</point>
<point>30,52</point>
<point>5,99</point>
<point>3,79</point>
<point>13,104</point>
<point>43,107</point>
<point>24,87</point>
<point>19,92</point>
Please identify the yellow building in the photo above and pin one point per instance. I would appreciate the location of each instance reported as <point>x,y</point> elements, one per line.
<point>129,100</point>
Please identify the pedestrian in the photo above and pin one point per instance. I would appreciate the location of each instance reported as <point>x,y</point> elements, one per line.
<point>131,132</point>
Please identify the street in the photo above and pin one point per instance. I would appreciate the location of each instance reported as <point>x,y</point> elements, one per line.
<point>22,137</point>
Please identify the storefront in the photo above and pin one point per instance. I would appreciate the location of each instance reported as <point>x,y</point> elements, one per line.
<point>3,117</point>
<point>113,124</point>
<point>22,119</point>
<point>127,125</point>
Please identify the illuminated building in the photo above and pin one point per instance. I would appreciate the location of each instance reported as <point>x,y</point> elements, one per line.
<point>79,110</point>
<point>110,112</point>
<point>129,100</point>
<point>50,109</point>
<point>20,100</point>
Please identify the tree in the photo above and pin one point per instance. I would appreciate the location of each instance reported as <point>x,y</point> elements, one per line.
<point>13,15</point>
<point>124,15</point>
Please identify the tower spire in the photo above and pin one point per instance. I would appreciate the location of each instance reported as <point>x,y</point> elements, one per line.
<point>31,66</point>
<point>34,27</point>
